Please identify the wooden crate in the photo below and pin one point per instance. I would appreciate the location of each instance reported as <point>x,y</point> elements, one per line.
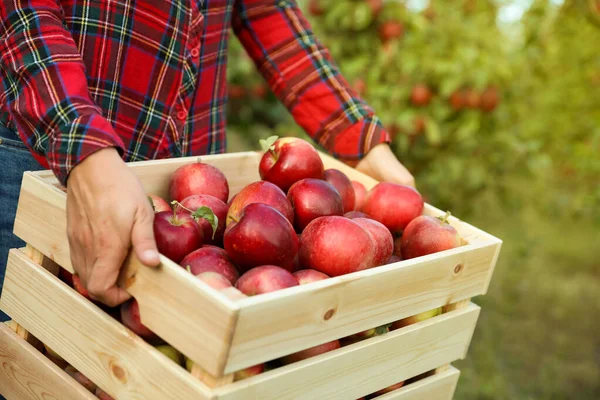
<point>224,333</point>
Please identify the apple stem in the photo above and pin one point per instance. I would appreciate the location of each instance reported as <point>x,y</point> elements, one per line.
<point>234,219</point>
<point>272,151</point>
<point>188,268</point>
<point>444,219</point>
<point>178,204</point>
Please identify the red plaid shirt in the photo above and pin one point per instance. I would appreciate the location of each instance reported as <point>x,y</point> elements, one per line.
<point>149,77</point>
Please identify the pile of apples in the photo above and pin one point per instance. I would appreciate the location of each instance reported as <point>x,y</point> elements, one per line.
<point>299,224</point>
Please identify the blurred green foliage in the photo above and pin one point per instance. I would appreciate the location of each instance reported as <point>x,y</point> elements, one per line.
<point>526,169</point>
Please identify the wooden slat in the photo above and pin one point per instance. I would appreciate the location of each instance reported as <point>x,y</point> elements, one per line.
<point>276,324</point>
<point>168,296</point>
<point>440,386</point>
<point>240,169</point>
<point>365,367</point>
<point>89,339</point>
<point>447,308</point>
<point>25,374</point>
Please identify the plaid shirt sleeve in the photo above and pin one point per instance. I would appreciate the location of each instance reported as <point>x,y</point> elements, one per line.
<point>46,89</point>
<point>302,74</point>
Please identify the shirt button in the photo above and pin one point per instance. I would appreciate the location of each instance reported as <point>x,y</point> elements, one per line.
<point>182,115</point>
<point>195,52</point>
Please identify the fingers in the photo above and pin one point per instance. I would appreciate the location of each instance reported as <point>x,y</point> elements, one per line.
<point>79,236</point>
<point>102,284</point>
<point>142,236</point>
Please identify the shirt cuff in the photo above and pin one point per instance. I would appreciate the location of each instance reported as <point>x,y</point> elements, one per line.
<point>355,142</point>
<point>73,143</point>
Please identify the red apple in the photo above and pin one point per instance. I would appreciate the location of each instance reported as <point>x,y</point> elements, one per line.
<point>313,198</point>
<point>393,259</point>
<point>311,352</point>
<point>81,378</point>
<point>306,276</point>
<point>376,7</point>
<point>421,95</point>
<point>315,8</point>
<point>214,280</point>
<point>472,98</point>
<point>177,234</point>
<point>427,235</point>
<point>249,372</point>
<point>260,90</point>
<point>198,178</point>
<point>393,205</point>
<point>489,99</point>
<point>158,203</point>
<point>343,185</point>
<point>382,239</point>
<point>289,160</point>
<point>360,193</point>
<point>336,246</point>
<point>211,259</point>
<point>78,285</point>
<point>236,92</point>
<point>130,316</point>
<point>265,279</point>
<point>260,192</point>
<point>102,395</point>
<point>219,208</point>
<point>390,30</point>
<point>457,100</point>
<point>261,236</point>
<point>388,389</point>
<point>356,214</point>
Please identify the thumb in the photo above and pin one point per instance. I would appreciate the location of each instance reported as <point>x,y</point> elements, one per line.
<point>142,236</point>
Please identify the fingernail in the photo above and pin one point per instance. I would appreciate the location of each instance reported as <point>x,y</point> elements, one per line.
<point>150,255</point>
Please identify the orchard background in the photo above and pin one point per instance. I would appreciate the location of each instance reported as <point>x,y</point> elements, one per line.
<point>494,106</point>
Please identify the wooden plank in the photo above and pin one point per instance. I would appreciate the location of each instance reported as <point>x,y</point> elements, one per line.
<point>440,386</point>
<point>25,374</point>
<point>89,339</point>
<point>239,168</point>
<point>448,308</point>
<point>278,323</point>
<point>168,296</point>
<point>364,367</point>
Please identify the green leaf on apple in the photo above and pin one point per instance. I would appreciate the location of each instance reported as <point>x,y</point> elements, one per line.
<point>267,144</point>
<point>209,215</point>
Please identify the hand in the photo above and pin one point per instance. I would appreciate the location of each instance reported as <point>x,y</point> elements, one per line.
<point>381,164</point>
<point>107,212</point>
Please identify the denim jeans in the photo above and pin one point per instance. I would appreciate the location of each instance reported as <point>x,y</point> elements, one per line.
<point>15,159</point>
